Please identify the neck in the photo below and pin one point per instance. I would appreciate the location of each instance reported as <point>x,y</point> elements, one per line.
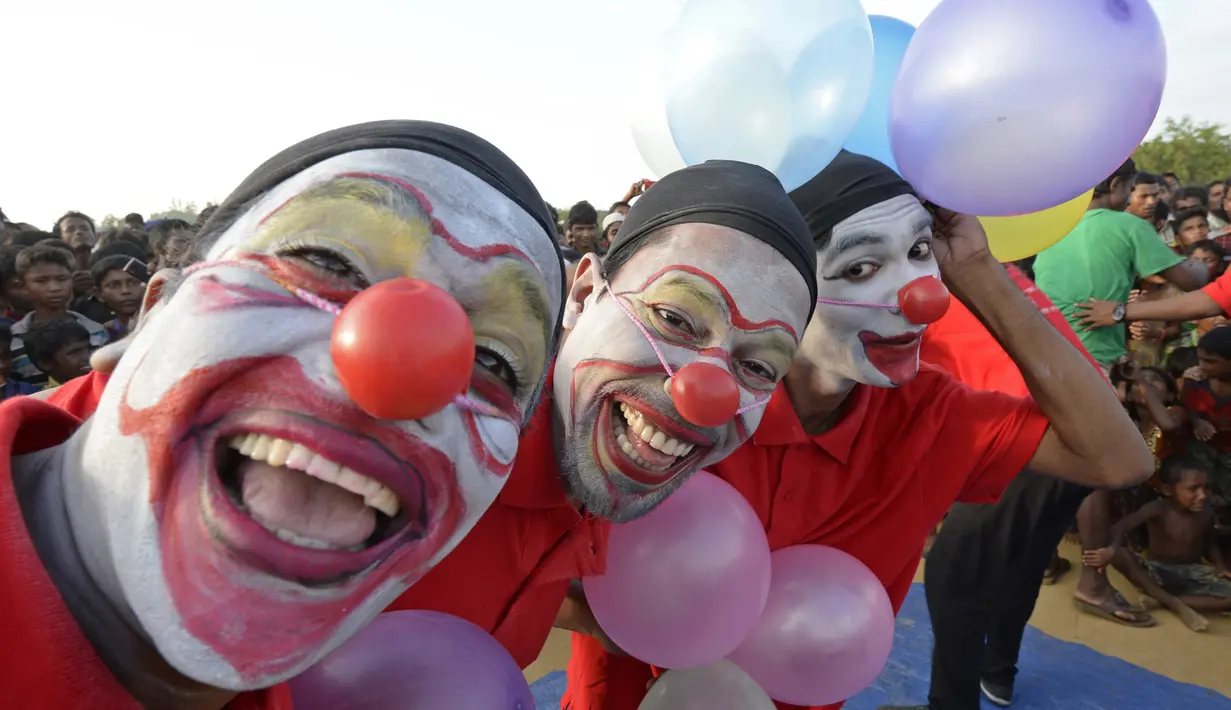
<point>1103,202</point>
<point>59,501</point>
<point>41,314</point>
<point>816,395</point>
<point>124,320</point>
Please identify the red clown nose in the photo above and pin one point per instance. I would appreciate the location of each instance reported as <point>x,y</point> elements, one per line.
<point>924,300</point>
<point>705,394</point>
<point>403,349</point>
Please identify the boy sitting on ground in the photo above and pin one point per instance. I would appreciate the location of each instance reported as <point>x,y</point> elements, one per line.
<point>46,273</point>
<point>60,348</point>
<point>1182,531</point>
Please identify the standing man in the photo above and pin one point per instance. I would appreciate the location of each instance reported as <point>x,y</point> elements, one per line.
<point>1145,196</point>
<point>862,449</point>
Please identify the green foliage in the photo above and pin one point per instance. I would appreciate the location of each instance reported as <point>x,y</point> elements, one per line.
<point>178,210</point>
<point>111,222</point>
<point>1198,153</point>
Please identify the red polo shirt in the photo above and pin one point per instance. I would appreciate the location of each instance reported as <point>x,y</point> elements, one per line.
<point>511,573</point>
<point>45,660</point>
<point>874,486</point>
<point>960,345</point>
<point>1220,291</point>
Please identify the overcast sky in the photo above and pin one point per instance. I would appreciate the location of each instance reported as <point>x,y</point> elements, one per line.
<point>123,105</point>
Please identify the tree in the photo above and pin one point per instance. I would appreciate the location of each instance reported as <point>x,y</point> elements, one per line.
<point>111,222</point>
<point>178,210</point>
<point>1196,152</point>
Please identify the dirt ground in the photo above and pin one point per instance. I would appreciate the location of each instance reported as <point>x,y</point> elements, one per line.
<point>1168,649</point>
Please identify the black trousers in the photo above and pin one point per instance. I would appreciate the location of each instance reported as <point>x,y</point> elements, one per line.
<point>982,578</point>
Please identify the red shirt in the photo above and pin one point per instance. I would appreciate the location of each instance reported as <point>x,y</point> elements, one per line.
<point>1198,398</point>
<point>874,486</point>
<point>960,345</point>
<point>45,660</point>
<point>1220,290</point>
<point>510,575</point>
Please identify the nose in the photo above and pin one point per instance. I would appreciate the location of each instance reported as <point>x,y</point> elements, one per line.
<point>924,300</point>
<point>403,349</point>
<point>705,394</point>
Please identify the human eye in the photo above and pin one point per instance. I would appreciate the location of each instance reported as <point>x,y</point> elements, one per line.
<point>674,321</point>
<point>758,370</point>
<point>500,364</point>
<point>922,250</point>
<point>860,270</point>
<point>325,262</point>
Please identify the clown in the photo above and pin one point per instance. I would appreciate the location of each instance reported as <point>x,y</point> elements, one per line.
<point>674,343</point>
<point>862,448</point>
<point>228,515</point>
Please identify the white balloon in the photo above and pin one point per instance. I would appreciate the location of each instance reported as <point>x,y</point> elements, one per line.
<point>647,105</point>
<point>718,686</point>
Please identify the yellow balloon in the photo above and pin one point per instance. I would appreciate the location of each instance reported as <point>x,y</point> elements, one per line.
<point>1023,235</point>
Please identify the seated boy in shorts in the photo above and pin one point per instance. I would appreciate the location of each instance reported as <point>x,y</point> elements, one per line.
<point>1182,532</point>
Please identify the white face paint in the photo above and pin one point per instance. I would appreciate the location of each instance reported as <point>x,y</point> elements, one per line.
<point>207,460</point>
<point>870,257</point>
<point>737,303</point>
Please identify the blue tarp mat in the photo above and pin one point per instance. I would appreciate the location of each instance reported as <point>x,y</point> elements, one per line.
<point>1054,675</point>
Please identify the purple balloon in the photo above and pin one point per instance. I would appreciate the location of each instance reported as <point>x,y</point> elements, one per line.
<point>687,582</point>
<point>415,660</point>
<point>826,631</point>
<point>994,112</point>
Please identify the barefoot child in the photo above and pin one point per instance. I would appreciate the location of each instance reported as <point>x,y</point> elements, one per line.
<point>1181,531</point>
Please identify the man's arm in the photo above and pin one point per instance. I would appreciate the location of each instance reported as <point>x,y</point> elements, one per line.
<point>1189,275</point>
<point>1091,440</point>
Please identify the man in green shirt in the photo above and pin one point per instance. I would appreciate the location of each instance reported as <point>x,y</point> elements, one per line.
<point>1103,256</point>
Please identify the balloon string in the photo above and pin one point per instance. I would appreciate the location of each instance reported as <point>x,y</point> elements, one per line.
<point>859,304</point>
<point>662,358</point>
<point>461,400</point>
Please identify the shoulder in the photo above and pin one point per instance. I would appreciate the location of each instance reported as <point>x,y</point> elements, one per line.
<point>91,326</point>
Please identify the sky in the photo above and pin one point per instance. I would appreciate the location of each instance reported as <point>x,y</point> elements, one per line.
<point>114,106</point>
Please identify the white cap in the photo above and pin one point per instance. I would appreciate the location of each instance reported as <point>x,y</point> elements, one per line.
<point>611,219</point>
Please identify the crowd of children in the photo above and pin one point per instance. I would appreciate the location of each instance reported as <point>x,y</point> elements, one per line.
<point>67,292</point>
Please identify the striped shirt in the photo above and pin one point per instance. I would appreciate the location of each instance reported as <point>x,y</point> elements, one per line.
<point>24,369</point>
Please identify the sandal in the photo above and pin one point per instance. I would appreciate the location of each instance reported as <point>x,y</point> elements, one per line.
<point>1111,609</point>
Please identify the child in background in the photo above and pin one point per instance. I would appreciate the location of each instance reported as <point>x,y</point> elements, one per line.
<point>8,387</point>
<point>46,273</point>
<point>1182,531</point>
<point>1191,225</point>
<point>121,284</point>
<point>60,348</point>
<point>1213,255</point>
<point>1181,363</point>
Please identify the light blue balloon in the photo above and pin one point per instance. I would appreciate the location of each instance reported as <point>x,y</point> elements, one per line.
<point>829,84</point>
<point>733,106</point>
<point>890,36</point>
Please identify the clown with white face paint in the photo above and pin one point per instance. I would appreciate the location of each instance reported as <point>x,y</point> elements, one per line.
<point>864,449</point>
<point>228,515</point>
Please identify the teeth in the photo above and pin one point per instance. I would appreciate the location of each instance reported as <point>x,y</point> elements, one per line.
<point>288,454</point>
<point>656,438</point>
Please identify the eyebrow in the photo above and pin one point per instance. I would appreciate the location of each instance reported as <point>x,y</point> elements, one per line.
<point>530,295</point>
<point>859,239</point>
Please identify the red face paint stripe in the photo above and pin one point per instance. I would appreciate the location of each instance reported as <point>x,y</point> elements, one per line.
<point>738,320</point>
<point>623,367</point>
<point>483,253</point>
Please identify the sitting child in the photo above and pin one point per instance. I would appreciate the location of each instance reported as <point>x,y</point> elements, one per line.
<point>10,387</point>
<point>1182,531</point>
<point>60,348</point>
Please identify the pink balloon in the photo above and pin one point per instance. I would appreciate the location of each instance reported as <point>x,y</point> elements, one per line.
<point>415,660</point>
<point>687,582</point>
<point>826,631</point>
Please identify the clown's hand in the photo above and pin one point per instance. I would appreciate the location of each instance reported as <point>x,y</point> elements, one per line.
<point>959,241</point>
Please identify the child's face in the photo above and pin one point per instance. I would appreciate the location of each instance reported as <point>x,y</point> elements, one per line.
<point>1190,491</point>
<point>1193,229</point>
<point>1213,366</point>
<point>121,292</point>
<point>71,360</point>
<point>1209,258</point>
<point>1157,385</point>
<point>16,296</point>
<point>50,286</point>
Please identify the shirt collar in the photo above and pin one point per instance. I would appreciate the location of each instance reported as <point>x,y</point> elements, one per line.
<point>780,425</point>
<point>535,479</point>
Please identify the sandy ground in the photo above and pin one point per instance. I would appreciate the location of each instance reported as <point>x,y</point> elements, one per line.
<point>1168,649</point>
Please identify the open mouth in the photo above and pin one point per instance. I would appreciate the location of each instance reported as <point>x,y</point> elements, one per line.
<point>306,501</point>
<point>646,445</point>
<point>904,341</point>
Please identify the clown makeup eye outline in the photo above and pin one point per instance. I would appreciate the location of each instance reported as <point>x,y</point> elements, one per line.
<point>325,260</point>
<point>676,323</point>
<point>867,267</point>
<point>500,363</point>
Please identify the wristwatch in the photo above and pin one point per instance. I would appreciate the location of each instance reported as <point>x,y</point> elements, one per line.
<point>1117,313</point>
